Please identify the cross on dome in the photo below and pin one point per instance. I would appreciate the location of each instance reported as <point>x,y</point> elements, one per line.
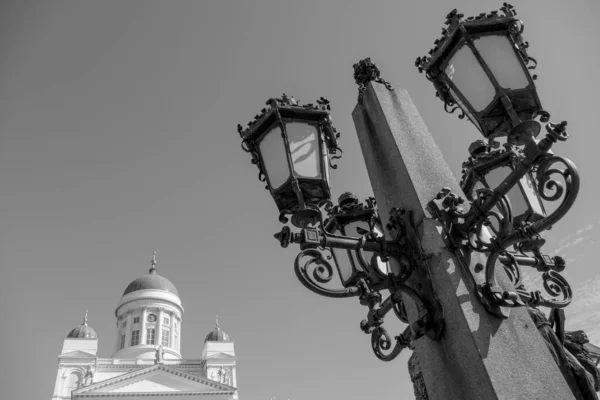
<point>153,264</point>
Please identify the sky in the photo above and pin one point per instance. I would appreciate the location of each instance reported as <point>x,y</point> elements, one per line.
<point>118,138</point>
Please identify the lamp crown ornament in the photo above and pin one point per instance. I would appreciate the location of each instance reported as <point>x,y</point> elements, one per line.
<point>366,71</point>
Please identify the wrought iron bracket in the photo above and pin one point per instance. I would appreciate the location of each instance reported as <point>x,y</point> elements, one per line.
<point>417,283</point>
<point>411,279</point>
<point>314,238</point>
<point>498,300</point>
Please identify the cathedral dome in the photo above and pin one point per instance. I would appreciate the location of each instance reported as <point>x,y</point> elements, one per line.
<point>217,335</point>
<point>151,281</point>
<point>82,331</point>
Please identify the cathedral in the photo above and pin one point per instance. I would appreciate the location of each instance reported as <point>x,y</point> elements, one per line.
<point>146,360</point>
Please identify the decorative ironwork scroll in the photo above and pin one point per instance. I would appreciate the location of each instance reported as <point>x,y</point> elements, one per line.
<point>366,71</point>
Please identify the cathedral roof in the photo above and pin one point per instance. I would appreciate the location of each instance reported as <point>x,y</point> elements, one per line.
<point>217,334</point>
<point>83,331</point>
<point>151,281</point>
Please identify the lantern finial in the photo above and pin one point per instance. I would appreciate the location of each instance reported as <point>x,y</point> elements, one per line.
<point>366,71</point>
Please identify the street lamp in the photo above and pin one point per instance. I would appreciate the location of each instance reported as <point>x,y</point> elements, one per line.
<point>487,168</point>
<point>481,66</point>
<point>291,144</point>
<point>352,218</point>
<point>432,257</point>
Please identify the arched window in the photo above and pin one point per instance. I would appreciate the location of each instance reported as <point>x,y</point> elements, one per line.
<point>73,382</point>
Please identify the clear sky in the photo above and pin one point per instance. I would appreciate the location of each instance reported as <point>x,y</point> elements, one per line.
<point>118,137</point>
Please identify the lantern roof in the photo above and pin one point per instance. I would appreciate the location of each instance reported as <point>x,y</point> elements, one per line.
<point>289,107</point>
<point>496,113</point>
<point>456,26</point>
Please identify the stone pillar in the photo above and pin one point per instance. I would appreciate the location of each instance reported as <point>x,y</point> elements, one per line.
<point>118,341</point>
<point>479,356</point>
<point>143,325</point>
<point>128,329</point>
<point>172,333</point>
<point>159,328</point>
<point>416,376</point>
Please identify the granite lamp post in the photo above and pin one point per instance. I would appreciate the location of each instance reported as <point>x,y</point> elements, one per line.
<point>419,248</point>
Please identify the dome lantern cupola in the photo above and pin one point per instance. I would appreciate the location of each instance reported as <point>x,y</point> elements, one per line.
<point>83,331</point>
<point>151,281</point>
<point>217,334</point>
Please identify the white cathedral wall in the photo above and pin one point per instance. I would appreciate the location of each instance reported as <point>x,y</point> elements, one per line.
<point>87,345</point>
<point>212,348</point>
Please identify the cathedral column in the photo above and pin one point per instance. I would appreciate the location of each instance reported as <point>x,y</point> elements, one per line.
<point>118,341</point>
<point>159,328</point>
<point>172,333</point>
<point>143,326</point>
<point>128,329</point>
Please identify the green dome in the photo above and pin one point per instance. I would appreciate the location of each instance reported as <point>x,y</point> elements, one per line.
<point>151,281</point>
<point>217,335</point>
<point>83,331</point>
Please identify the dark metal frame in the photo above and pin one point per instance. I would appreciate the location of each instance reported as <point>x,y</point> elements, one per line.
<point>478,166</point>
<point>313,267</point>
<point>293,196</point>
<point>349,211</point>
<point>518,115</point>
<point>509,107</point>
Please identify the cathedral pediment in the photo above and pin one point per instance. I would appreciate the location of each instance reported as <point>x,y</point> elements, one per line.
<point>78,354</point>
<point>157,381</point>
<point>222,355</point>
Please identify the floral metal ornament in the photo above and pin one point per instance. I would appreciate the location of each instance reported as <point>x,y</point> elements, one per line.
<point>487,223</point>
<point>366,71</point>
<point>504,69</point>
<point>481,67</point>
<point>339,246</point>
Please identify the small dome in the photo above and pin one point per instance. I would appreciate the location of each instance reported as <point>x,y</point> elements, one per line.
<point>151,281</point>
<point>83,331</point>
<point>217,335</point>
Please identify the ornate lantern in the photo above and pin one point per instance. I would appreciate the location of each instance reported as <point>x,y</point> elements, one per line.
<point>486,169</point>
<point>481,65</point>
<point>290,144</point>
<point>351,218</point>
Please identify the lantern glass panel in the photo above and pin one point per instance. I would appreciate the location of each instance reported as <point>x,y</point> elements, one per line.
<point>501,59</point>
<point>274,155</point>
<point>342,260</point>
<point>470,79</point>
<point>346,260</point>
<point>529,189</point>
<point>304,148</point>
<point>518,203</point>
<point>383,267</point>
<point>357,229</point>
<point>465,109</point>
